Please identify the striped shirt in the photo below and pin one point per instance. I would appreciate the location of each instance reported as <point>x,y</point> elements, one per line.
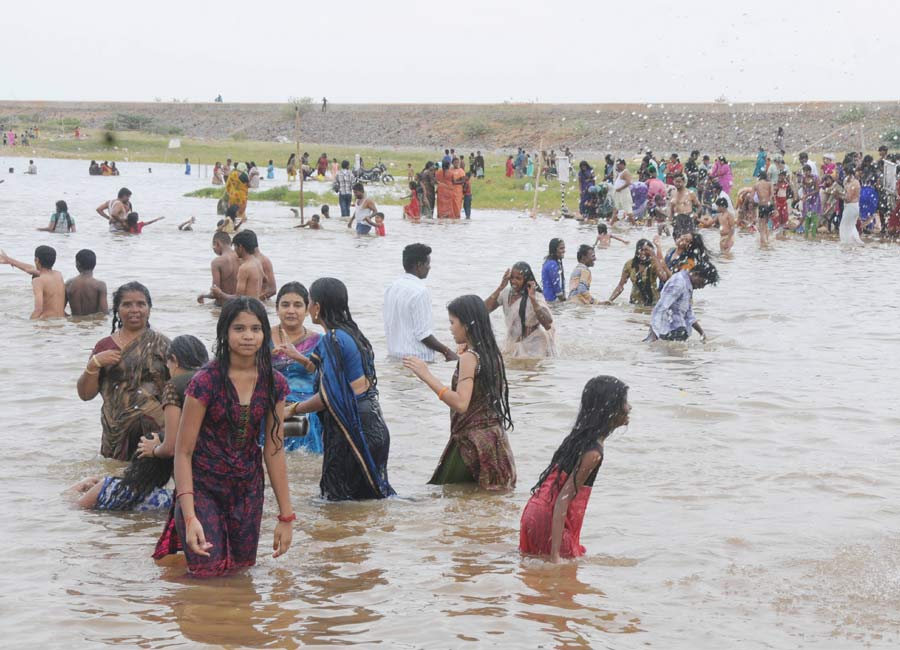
<point>408,318</point>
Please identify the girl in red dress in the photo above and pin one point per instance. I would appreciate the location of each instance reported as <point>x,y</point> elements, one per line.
<point>510,168</point>
<point>551,522</point>
<point>411,210</point>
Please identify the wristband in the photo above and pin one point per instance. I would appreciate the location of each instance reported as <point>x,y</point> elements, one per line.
<point>181,494</point>
<point>286,520</point>
<point>441,393</point>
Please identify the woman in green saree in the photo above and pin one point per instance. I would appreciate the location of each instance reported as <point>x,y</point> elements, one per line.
<point>478,450</point>
<point>128,369</point>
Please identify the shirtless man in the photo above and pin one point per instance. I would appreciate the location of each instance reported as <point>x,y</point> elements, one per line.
<point>86,294</point>
<point>250,275</point>
<point>269,287</point>
<point>47,284</point>
<point>765,198</point>
<point>682,207</point>
<point>224,268</point>
<point>116,211</point>
<point>726,225</point>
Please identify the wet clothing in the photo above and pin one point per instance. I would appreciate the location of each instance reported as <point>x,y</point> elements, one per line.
<point>478,450</point>
<point>536,526</point>
<point>131,391</point>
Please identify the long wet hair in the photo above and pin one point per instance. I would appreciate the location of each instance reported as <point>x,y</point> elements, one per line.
<point>552,253</point>
<point>117,301</point>
<point>490,378</point>
<point>331,295</point>
<point>644,286</point>
<point>525,269</point>
<point>189,352</point>
<point>230,311</point>
<point>602,401</point>
<point>141,477</point>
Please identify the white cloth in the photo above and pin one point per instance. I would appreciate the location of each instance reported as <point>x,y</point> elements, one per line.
<point>725,195</point>
<point>848,232</point>
<point>408,318</point>
<point>675,306</point>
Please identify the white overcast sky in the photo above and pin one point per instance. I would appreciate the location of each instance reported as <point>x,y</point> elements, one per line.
<point>463,52</point>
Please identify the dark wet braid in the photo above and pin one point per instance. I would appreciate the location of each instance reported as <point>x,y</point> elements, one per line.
<point>230,311</point>
<point>117,299</point>
<point>528,276</point>
<point>602,401</point>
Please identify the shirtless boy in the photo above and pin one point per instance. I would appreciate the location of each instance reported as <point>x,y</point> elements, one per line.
<point>726,225</point>
<point>250,274</point>
<point>224,268</point>
<point>86,294</point>
<point>765,198</point>
<point>682,206</point>
<point>47,284</point>
<point>269,287</point>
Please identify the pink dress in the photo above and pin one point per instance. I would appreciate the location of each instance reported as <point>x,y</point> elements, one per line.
<point>537,519</point>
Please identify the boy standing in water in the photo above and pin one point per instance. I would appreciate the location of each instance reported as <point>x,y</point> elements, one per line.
<point>765,199</point>
<point>224,267</point>
<point>49,288</point>
<point>726,226</point>
<point>86,294</point>
<point>250,275</point>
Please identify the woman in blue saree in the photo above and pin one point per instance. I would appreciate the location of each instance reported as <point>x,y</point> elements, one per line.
<point>355,438</point>
<point>292,345</point>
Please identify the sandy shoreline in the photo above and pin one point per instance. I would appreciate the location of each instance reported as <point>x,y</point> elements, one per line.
<point>618,128</point>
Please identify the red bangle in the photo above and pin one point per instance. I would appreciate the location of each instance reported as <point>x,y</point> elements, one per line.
<point>181,494</point>
<point>286,520</point>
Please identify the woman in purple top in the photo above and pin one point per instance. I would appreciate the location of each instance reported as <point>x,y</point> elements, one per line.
<point>218,463</point>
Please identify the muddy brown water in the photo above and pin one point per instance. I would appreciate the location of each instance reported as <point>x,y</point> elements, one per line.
<point>752,501</point>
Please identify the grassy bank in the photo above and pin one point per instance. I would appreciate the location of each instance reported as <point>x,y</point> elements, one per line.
<point>494,192</point>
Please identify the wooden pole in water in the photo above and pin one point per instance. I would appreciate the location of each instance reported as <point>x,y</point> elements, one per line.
<point>297,162</point>
<point>537,178</point>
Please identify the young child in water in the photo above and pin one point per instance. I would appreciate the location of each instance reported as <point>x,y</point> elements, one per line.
<point>552,519</point>
<point>604,237</point>
<point>726,221</point>
<point>379,224</point>
<point>314,223</point>
<point>136,227</point>
<point>324,212</point>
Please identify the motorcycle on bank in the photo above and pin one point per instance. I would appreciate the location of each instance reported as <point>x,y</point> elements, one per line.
<point>378,173</point>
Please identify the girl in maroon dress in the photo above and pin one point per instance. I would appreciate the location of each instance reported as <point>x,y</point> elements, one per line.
<point>551,522</point>
<point>218,463</point>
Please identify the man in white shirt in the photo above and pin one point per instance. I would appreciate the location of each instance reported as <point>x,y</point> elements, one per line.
<point>408,322</point>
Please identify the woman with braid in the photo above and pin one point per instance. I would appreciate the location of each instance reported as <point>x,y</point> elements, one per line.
<point>128,369</point>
